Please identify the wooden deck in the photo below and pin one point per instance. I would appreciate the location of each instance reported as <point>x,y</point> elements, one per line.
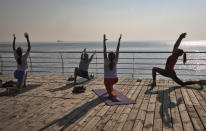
<point>47,103</point>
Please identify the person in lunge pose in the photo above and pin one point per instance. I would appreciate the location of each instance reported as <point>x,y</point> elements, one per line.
<point>171,61</point>
<point>110,69</point>
<point>82,71</point>
<point>20,72</point>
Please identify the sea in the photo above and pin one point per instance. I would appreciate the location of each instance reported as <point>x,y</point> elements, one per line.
<point>136,59</point>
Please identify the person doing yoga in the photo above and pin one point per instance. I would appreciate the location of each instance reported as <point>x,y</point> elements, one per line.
<point>110,69</point>
<point>82,71</point>
<point>20,72</point>
<point>170,64</point>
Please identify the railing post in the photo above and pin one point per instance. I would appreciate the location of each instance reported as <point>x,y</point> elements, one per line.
<point>62,63</point>
<point>96,66</point>
<point>1,60</point>
<point>30,64</point>
<point>133,66</point>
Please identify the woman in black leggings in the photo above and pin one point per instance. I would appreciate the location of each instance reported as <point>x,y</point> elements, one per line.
<point>171,61</point>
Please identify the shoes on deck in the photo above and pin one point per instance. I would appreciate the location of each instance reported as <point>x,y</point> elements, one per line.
<point>0,83</point>
<point>91,76</point>
<point>139,80</point>
<point>71,78</point>
<point>79,89</point>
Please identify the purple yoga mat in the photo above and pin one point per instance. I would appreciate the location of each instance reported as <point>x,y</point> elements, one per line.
<point>103,95</point>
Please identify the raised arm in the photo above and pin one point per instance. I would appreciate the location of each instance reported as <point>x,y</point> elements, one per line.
<point>28,41</point>
<point>14,43</point>
<point>118,45</point>
<point>104,46</point>
<point>90,59</point>
<point>177,44</point>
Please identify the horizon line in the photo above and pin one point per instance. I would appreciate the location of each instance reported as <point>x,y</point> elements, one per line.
<point>101,41</point>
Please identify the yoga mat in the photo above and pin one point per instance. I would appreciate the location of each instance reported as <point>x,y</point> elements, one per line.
<point>103,95</point>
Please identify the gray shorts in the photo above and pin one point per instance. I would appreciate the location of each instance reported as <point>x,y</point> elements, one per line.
<point>83,74</point>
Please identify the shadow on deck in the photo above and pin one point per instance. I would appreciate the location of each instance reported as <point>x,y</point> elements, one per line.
<point>54,106</point>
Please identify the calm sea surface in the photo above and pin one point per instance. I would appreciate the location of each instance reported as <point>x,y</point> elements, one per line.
<point>51,63</point>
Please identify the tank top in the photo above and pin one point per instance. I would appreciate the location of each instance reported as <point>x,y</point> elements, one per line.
<point>108,73</point>
<point>23,65</point>
<point>171,61</point>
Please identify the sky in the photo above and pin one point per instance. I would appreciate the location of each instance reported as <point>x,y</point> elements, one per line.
<point>88,20</point>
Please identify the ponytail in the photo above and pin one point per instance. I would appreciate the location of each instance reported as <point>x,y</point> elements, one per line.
<point>184,58</point>
<point>19,54</point>
<point>111,56</point>
<point>111,65</point>
<point>19,60</point>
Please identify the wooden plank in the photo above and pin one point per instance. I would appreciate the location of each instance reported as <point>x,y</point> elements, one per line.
<point>176,118</point>
<point>78,112</point>
<point>139,121</point>
<point>166,114</point>
<point>80,123</point>
<point>185,107</point>
<point>28,117</point>
<point>200,98</point>
<point>111,123</point>
<point>131,111</point>
<point>18,115</point>
<point>198,108</point>
<point>22,102</point>
<point>105,112</point>
<point>62,121</point>
<point>13,107</point>
<point>191,111</point>
<point>58,105</point>
<point>102,123</point>
<point>186,121</point>
<point>149,119</point>
<point>202,93</point>
<point>158,110</point>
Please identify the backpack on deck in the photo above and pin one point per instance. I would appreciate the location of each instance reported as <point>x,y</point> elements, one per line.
<point>79,89</point>
<point>9,84</point>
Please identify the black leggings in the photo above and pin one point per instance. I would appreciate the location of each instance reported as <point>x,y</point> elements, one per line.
<point>172,75</point>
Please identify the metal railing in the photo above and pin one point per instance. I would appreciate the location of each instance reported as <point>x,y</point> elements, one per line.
<point>130,64</point>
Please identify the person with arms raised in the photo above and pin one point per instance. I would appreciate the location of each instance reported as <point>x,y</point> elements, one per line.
<point>170,64</point>
<point>20,72</point>
<point>82,71</point>
<point>110,69</point>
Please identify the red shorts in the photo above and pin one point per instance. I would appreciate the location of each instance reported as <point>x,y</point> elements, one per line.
<point>109,82</point>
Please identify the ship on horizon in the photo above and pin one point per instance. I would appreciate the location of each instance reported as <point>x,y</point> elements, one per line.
<point>60,41</point>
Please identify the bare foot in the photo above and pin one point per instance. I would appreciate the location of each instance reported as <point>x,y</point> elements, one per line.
<point>115,99</point>
<point>153,84</point>
<point>201,84</point>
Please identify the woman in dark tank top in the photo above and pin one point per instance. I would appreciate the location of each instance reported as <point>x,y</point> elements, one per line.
<point>170,64</point>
